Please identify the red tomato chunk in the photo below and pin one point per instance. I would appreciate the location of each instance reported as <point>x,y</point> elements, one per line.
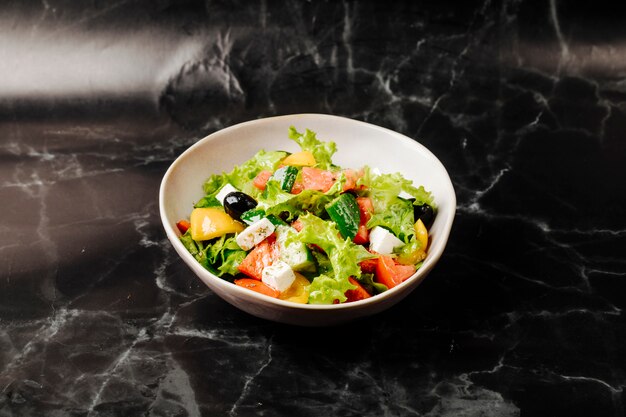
<point>264,254</point>
<point>317,179</point>
<point>391,273</point>
<point>257,286</point>
<point>359,293</point>
<point>260,181</point>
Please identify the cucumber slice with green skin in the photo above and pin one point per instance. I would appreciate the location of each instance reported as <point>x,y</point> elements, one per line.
<point>252,216</point>
<point>344,211</point>
<point>295,253</point>
<point>285,176</point>
<point>276,221</point>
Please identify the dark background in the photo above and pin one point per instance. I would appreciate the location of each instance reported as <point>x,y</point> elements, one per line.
<point>524,102</point>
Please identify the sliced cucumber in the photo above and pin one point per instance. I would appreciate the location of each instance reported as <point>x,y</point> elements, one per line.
<point>276,221</point>
<point>252,216</point>
<point>285,176</point>
<point>295,253</point>
<point>344,211</point>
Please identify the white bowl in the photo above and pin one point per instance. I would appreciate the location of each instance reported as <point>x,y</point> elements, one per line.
<point>358,144</point>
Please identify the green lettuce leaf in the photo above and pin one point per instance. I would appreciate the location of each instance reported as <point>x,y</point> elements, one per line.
<point>385,188</point>
<point>390,210</point>
<point>421,196</point>
<point>344,257</point>
<point>367,281</point>
<point>226,255</point>
<point>397,217</point>
<point>221,256</point>
<point>324,290</point>
<point>276,201</point>
<point>242,175</point>
<point>232,260</point>
<point>197,250</point>
<point>190,244</point>
<point>211,187</point>
<point>214,183</point>
<point>411,246</point>
<point>208,201</point>
<point>324,267</point>
<point>273,194</point>
<point>322,151</point>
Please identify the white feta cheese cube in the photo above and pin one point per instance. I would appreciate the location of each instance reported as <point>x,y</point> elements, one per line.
<point>278,275</point>
<point>383,241</point>
<point>296,253</point>
<point>226,189</point>
<point>255,233</point>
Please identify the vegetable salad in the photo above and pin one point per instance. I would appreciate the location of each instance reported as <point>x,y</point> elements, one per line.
<point>297,227</point>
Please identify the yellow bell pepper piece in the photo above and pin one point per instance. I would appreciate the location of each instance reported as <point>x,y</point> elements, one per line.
<point>421,233</point>
<point>208,223</point>
<point>412,258</point>
<point>301,159</point>
<point>298,292</point>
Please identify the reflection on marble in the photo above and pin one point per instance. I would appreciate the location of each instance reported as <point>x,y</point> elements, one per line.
<point>524,102</point>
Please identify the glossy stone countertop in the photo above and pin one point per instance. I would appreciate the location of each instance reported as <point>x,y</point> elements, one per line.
<point>524,102</point>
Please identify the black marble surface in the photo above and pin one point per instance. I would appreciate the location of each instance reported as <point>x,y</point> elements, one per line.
<point>523,101</point>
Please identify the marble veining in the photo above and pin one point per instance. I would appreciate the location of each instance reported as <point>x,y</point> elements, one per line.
<point>524,102</point>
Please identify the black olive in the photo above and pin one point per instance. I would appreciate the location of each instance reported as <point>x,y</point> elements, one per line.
<point>236,203</point>
<point>426,213</point>
<point>284,215</point>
